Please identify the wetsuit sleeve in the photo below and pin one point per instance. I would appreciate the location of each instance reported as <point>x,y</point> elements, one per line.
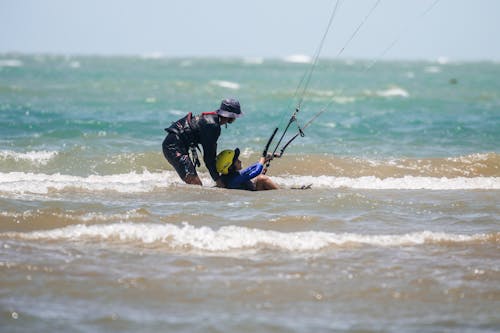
<point>208,139</point>
<point>246,174</point>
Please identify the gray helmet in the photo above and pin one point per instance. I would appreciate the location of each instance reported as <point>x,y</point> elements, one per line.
<point>230,108</point>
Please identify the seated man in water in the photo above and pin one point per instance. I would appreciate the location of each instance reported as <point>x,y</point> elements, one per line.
<point>251,178</point>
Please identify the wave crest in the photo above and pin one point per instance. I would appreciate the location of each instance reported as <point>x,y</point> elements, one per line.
<point>231,238</point>
<point>37,183</point>
<point>34,157</point>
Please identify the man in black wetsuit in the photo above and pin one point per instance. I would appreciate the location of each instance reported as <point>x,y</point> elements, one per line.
<point>187,133</point>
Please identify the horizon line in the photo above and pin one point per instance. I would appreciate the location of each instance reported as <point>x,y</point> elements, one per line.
<point>292,58</point>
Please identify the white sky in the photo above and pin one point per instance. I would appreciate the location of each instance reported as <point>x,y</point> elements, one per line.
<point>456,29</point>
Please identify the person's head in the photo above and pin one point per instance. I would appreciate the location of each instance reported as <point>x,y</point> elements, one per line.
<point>229,110</point>
<point>227,161</point>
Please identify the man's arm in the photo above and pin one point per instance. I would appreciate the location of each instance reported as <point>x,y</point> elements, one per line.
<point>208,137</point>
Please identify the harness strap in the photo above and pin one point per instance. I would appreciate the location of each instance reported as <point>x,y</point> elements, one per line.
<point>183,132</point>
<point>194,156</point>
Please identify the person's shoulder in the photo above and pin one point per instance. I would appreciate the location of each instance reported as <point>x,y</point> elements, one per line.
<point>209,116</point>
<point>209,119</point>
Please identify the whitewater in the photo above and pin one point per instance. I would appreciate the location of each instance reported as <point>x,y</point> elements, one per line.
<point>399,230</point>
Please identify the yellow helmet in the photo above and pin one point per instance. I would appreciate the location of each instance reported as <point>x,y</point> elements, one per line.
<point>225,159</point>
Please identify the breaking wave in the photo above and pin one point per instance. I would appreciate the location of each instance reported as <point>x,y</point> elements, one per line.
<point>34,157</point>
<point>37,183</point>
<point>230,238</point>
<point>226,84</point>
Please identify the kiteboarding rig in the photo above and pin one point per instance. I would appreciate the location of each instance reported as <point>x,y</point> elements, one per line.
<point>279,148</point>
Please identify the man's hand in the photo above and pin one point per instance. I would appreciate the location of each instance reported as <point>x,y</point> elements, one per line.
<point>193,180</point>
<point>270,157</point>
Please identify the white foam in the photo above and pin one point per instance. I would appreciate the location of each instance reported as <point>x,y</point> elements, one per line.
<point>39,183</point>
<point>34,157</point>
<point>298,59</point>
<point>469,159</point>
<point>129,215</point>
<point>393,92</point>
<point>87,217</point>
<point>343,99</point>
<point>10,63</point>
<point>225,84</point>
<point>400,183</point>
<point>231,238</point>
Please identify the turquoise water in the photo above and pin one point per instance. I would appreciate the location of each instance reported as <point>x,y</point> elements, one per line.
<point>121,104</point>
<point>399,233</point>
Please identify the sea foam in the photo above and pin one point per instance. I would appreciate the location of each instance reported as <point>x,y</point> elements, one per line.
<point>226,84</point>
<point>298,59</point>
<point>10,63</point>
<point>393,92</point>
<point>34,157</point>
<point>400,183</point>
<point>38,183</point>
<point>230,238</point>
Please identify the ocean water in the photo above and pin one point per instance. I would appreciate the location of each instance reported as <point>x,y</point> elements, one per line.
<point>400,231</point>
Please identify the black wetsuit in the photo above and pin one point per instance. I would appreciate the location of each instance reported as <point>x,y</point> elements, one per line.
<point>186,134</point>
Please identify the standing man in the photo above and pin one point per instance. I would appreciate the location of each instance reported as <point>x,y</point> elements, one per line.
<point>187,133</point>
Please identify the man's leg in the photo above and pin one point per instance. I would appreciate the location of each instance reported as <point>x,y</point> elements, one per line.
<point>178,157</point>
